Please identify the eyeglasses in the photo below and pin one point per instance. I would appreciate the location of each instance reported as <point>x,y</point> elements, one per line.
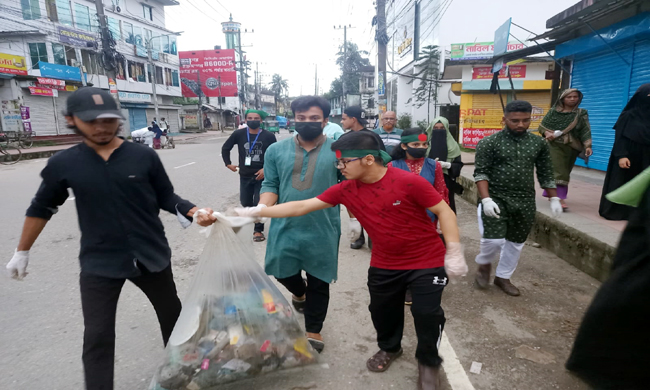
<point>341,164</point>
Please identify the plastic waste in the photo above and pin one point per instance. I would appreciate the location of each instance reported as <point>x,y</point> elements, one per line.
<point>235,324</point>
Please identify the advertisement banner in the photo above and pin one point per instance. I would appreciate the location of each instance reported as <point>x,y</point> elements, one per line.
<point>75,37</point>
<point>12,64</point>
<point>52,82</point>
<point>472,136</point>
<point>214,68</point>
<point>62,72</point>
<point>485,72</point>
<point>381,84</point>
<point>402,31</point>
<point>478,50</point>
<point>24,114</point>
<point>43,91</point>
<point>134,97</point>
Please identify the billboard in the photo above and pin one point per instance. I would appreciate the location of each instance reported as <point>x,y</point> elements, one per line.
<point>402,32</point>
<point>214,68</point>
<point>485,72</point>
<point>478,50</point>
<point>12,64</point>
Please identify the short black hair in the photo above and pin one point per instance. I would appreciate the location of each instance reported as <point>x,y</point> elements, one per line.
<point>518,106</point>
<point>362,139</point>
<point>399,153</point>
<point>304,103</point>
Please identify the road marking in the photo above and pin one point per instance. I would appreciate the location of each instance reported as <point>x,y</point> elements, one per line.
<point>456,375</point>
<point>181,166</point>
<point>212,139</point>
<point>71,198</point>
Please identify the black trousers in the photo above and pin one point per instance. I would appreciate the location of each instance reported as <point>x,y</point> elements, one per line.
<point>387,289</point>
<point>318,299</point>
<point>99,296</point>
<point>249,195</point>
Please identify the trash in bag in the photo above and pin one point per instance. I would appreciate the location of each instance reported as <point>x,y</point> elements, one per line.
<point>235,323</point>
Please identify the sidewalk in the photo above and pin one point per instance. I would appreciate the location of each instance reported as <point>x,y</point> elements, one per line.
<point>580,236</point>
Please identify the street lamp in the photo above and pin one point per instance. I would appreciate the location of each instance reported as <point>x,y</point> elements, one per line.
<point>153,68</point>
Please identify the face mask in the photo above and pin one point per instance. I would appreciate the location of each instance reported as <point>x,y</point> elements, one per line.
<point>309,131</point>
<point>416,152</point>
<point>254,125</point>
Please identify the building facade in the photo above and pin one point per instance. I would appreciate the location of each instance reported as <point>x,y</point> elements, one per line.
<point>54,39</point>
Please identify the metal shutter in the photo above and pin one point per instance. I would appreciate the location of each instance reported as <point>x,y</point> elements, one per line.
<point>137,118</point>
<point>641,66</point>
<point>492,103</point>
<point>541,101</point>
<point>603,78</point>
<point>41,112</point>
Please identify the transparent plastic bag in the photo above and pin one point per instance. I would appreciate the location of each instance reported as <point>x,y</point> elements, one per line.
<point>235,323</point>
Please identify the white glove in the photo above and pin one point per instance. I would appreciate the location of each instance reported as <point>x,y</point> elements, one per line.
<point>490,208</point>
<point>17,266</point>
<point>557,134</point>
<point>355,230</point>
<point>556,207</point>
<point>444,164</point>
<point>250,212</point>
<point>455,264</point>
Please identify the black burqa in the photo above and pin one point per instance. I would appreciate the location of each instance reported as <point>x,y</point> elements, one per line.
<point>632,140</point>
<point>612,347</point>
<point>439,150</point>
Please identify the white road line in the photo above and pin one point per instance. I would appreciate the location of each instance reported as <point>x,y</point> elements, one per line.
<point>454,371</point>
<point>212,139</point>
<point>71,198</point>
<point>181,166</point>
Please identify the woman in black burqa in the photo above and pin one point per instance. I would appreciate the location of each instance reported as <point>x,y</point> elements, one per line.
<point>631,151</point>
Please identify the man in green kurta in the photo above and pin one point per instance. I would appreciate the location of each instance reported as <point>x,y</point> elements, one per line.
<point>504,174</point>
<point>300,168</point>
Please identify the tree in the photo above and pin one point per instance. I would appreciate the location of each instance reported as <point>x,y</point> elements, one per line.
<point>428,76</point>
<point>350,64</point>
<point>279,87</point>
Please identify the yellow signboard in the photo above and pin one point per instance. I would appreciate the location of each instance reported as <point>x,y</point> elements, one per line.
<point>12,64</point>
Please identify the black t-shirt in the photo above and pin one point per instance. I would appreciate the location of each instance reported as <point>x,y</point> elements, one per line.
<point>254,149</point>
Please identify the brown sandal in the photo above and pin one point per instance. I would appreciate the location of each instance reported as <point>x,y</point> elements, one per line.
<point>380,361</point>
<point>258,237</point>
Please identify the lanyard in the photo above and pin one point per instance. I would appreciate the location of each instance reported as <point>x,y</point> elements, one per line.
<point>248,136</point>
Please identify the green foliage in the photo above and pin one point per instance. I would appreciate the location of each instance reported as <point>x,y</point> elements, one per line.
<point>429,74</point>
<point>350,64</point>
<point>279,88</point>
<point>404,121</point>
<point>186,101</point>
<point>423,124</point>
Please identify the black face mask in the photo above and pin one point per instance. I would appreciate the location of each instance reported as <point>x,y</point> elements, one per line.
<point>416,152</point>
<point>254,125</point>
<point>309,131</point>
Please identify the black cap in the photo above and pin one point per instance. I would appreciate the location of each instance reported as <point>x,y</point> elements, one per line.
<point>356,112</point>
<point>91,103</point>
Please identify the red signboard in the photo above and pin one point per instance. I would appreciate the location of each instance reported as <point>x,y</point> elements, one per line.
<point>472,136</point>
<point>214,68</point>
<point>485,72</point>
<point>53,82</point>
<point>42,91</point>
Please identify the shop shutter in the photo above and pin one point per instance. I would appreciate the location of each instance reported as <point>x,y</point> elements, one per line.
<point>541,101</point>
<point>641,66</point>
<point>137,118</point>
<point>603,78</point>
<point>41,112</point>
<point>493,114</point>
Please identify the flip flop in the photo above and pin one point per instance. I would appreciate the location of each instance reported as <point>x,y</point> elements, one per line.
<point>318,345</point>
<point>259,238</point>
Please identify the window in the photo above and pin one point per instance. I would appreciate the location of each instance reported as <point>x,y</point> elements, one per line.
<point>371,103</point>
<point>165,43</point>
<point>136,71</point>
<point>137,36</point>
<point>31,9</point>
<point>147,37</point>
<point>147,12</point>
<point>50,6</point>
<point>149,75</point>
<point>121,73</point>
<point>71,56</point>
<point>168,77</point>
<point>64,12</point>
<point>371,82</point>
<point>127,30</point>
<point>172,45</point>
<point>59,54</point>
<point>37,52</point>
<point>114,28</point>
<point>89,60</point>
<point>175,81</point>
<point>159,75</point>
<point>82,17</point>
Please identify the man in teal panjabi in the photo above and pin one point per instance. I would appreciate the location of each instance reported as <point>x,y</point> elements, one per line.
<point>390,135</point>
<point>300,168</point>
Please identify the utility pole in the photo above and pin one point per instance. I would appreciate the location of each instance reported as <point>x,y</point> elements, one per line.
<point>381,56</point>
<point>199,112</point>
<point>242,72</point>
<point>345,62</point>
<point>316,82</point>
<point>257,86</point>
<point>106,47</point>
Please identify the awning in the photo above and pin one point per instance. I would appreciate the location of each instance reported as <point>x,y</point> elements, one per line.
<point>7,76</point>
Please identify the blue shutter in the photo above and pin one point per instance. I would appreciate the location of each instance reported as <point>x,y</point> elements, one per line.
<point>137,118</point>
<point>603,78</point>
<point>641,66</point>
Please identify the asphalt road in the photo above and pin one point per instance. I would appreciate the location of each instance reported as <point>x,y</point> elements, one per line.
<point>41,325</point>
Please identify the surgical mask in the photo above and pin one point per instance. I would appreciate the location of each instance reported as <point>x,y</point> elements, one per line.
<point>416,152</point>
<point>309,131</point>
<point>254,125</point>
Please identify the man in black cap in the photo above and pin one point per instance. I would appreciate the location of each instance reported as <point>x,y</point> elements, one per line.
<point>120,188</point>
<point>354,118</point>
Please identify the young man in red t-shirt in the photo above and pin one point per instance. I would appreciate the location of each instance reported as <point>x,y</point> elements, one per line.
<point>407,252</point>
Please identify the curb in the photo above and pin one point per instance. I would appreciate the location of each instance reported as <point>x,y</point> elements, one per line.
<point>579,249</point>
<point>42,154</point>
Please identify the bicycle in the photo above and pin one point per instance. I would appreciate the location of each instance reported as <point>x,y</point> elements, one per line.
<point>25,140</point>
<point>9,154</point>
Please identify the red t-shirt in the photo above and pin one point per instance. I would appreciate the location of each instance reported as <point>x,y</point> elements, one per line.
<point>393,212</point>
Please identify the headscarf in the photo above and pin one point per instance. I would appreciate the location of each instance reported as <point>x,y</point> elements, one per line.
<point>444,149</point>
<point>262,114</point>
<point>634,121</point>
<point>555,119</point>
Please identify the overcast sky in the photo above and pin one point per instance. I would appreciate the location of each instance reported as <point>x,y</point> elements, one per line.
<point>292,36</point>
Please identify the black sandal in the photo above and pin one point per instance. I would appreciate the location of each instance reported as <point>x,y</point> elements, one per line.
<point>258,238</point>
<point>380,361</point>
<point>318,345</point>
<point>299,305</point>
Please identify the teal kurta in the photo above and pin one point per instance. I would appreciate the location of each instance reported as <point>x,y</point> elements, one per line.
<point>310,242</point>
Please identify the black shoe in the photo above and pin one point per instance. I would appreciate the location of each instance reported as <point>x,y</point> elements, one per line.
<point>408,299</point>
<point>359,243</point>
<point>299,305</point>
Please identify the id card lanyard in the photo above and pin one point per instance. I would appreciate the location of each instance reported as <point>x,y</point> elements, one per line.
<point>248,159</point>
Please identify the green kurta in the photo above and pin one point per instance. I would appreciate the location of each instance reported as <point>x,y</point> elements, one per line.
<point>310,242</point>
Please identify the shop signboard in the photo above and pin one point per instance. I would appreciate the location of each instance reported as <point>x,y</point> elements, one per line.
<point>381,85</point>
<point>485,72</point>
<point>134,97</point>
<point>501,36</point>
<point>52,82</point>
<point>478,50</point>
<point>190,121</point>
<point>26,118</point>
<point>61,72</point>
<point>43,91</point>
<point>210,71</point>
<point>11,119</point>
<point>75,37</point>
<point>12,64</point>
<point>471,136</point>
<point>402,43</point>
